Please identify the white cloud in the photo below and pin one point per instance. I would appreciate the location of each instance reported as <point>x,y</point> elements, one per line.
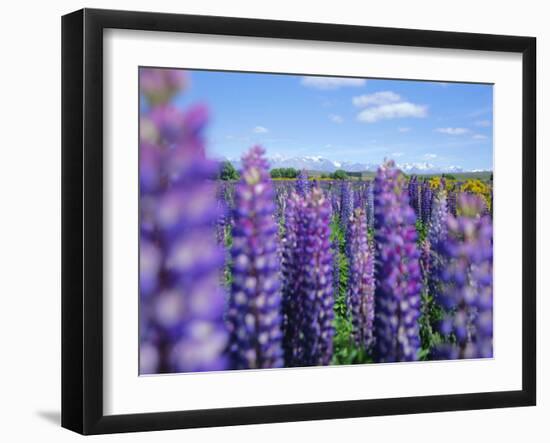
<point>378,98</point>
<point>403,129</point>
<point>392,110</point>
<point>430,156</point>
<point>479,137</point>
<point>453,131</point>
<point>332,82</point>
<point>483,123</point>
<point>334,118</point>
<point>260,130</point>
<point>397,154</point>
<point>386,105</point>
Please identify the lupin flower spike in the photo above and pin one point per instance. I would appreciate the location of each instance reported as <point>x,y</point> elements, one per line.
<point>361,281</point>
<point>254,313</point>
<point>397,269</point>
<point>308,294</point>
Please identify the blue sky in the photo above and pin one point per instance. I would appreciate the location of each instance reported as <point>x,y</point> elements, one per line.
<point>343,119</point>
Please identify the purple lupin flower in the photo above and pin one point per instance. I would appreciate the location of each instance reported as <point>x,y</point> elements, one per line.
<point>308,297</point>
<point>370,205</point>
<point>361,281</point>
<point>425,261</point>
<point>358,197</point>
<point>437,234</point>
<point>292,282</point>
<point>335,198</point>
<point>346,204</point>
<point>181,299</point>
<point>484,206</point>
<point>414,195</point>
<point>452,196</point>
<point>224,212</point>
<point>302,183</point>
<point>466,291</point>
<point>437,230</point>
<point>426,206</point>
<point>254,315</point>
<point>397,270</point>
<point>281,196</point>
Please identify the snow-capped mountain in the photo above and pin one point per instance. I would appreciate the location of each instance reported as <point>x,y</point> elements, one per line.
<point>321,164</point>
<point>427,168</point>
<point>307,163</point>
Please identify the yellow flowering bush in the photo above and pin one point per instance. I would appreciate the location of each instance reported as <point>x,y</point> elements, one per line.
<point>435,183</point>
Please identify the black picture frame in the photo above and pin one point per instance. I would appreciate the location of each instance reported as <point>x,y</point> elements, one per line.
<point>82,220</point>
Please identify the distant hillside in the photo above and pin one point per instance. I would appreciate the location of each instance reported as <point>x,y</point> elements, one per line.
<point>368,175</point>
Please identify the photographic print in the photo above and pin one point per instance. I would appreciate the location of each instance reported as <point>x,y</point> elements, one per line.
<point>293,221</point>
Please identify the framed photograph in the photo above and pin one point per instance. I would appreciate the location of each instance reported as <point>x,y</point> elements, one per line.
<point>268,221</point>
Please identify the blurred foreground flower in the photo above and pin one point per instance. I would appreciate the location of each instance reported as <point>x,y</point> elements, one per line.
<point>181,300</point>
<point>254,314</point>
<point>467,282</point>
<point>160,85</point>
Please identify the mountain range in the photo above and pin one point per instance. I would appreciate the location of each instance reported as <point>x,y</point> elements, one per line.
<point>321,164</point>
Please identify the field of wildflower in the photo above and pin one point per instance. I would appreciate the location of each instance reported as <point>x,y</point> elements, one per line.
<point>249,271</point>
